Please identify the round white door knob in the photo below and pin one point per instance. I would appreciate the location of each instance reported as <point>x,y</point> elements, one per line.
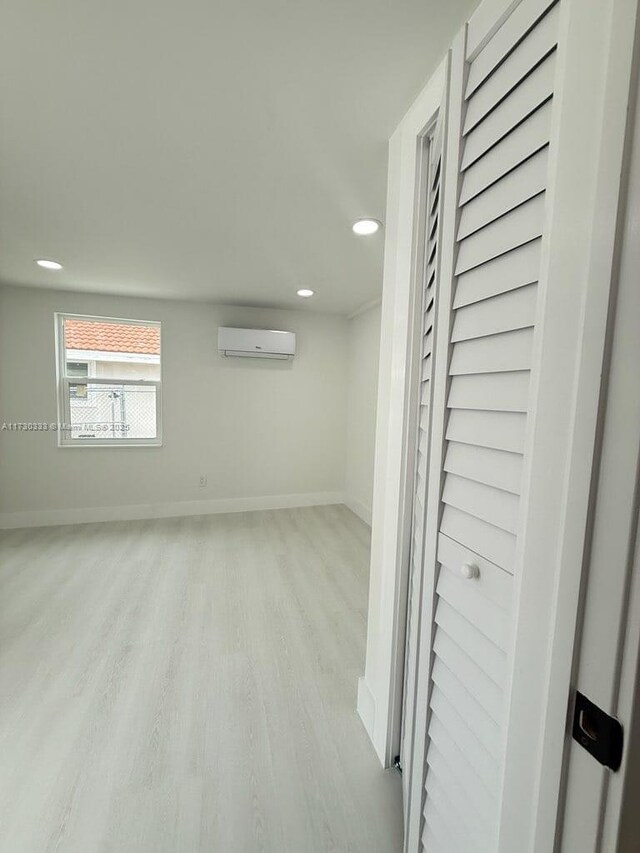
<point>469,570</point>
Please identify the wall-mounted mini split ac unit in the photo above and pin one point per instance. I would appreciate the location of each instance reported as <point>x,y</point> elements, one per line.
<point>256,343</point>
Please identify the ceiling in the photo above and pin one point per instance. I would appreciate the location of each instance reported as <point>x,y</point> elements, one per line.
<point>216,150</point>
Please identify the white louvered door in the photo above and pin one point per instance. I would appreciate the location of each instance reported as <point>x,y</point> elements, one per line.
<point>493,223</point>
<point>428,291</point>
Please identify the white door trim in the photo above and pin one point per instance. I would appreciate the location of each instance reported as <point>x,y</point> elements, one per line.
<point>587,150</point>
<point>448,212</point>
<point>415,560</point>
<point>606,657</point>
<point>380,689</point>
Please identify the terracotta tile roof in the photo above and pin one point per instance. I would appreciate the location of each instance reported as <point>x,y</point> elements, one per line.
<point>111,337</point>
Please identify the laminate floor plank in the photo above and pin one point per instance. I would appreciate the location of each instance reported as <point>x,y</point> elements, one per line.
<point>188,685</point>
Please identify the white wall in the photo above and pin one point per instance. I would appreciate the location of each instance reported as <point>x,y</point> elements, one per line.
<point>362,389</point>
<point>258,429</point>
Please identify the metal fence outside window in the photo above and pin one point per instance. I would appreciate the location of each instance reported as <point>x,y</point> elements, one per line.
<point>113,411</point>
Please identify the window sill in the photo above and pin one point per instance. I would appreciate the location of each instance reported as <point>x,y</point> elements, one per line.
<point>112,444</point>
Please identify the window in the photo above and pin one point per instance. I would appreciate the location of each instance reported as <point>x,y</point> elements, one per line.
<point>108,381</point>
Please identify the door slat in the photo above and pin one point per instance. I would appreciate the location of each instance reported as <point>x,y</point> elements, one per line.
<point>484,614</point>
<point>526,140</point>
<point>495,392</point>
<point>525,15</point>
<point>515,309</point>
<point>492,467</point>
<point>481,650</point>
<point>527,180</point>
<point>510,271</point>
<point>493,353</point>
<point>443,767</point>
<point>497,430</point>
<point>495,506</point>
<point>484,726</point>
<point>516,228</point>
<point>484,539</point>
<point>538,44</point>
<point>483,764</point>
<point>531,94</point>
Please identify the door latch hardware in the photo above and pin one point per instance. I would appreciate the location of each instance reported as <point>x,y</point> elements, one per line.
<point>600,734</point>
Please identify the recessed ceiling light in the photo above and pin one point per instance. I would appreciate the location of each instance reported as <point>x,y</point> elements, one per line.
<point>305,292</point>
<point>49,265</point>
<point>365,227</point>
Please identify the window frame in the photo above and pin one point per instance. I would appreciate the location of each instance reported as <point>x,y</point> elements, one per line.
<point>63,381</point>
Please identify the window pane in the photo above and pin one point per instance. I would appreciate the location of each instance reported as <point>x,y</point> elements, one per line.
<point>113,350</point>
<point>112,412</point>
<point>77,368</point>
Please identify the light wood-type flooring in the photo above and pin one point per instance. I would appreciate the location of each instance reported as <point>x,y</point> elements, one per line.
<point>189,686</point>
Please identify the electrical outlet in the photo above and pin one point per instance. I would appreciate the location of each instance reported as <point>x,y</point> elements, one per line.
<point>203,481</point>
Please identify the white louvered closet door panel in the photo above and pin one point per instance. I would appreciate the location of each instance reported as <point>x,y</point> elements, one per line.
<point>501,121</point>
<point>427,302</point>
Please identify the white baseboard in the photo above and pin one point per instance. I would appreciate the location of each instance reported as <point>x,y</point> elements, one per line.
<point>360,509</point>
<point>86,515</point>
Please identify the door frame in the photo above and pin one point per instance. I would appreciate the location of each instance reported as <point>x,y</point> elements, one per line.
<point>622,794</point>
<point>608,637</point>
<point>419,267</point>
<point>380,688</point>
<point>590,116</point>
<point>585,174</point>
